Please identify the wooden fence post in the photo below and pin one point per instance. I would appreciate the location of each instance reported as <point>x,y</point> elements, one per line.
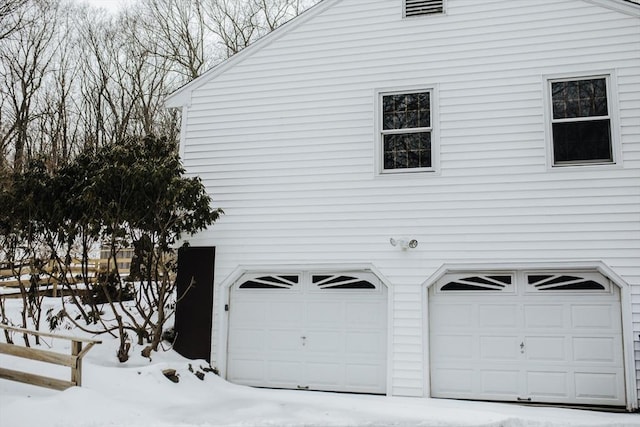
<point>76,372</point>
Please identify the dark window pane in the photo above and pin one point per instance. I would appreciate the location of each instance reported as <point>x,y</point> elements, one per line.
<point>504,279</point>
<point>562,279</point>
<point>579,98</point>
<point>250,284</point>
<point>408,150</point>
<point>456,286</point>
<point>480,280</point>
<point>586,285</point>
<point>316,279</point>
<point>405,111</point>
<point>270,282</point>
<point>582,141</point>
<point>534,278</point>
<point>389,160</point>
<point>356,285</point>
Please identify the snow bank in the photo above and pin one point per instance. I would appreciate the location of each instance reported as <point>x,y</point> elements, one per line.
<point>137,394</point>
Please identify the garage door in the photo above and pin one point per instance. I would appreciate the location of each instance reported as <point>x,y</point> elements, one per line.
<point>551,337</point>
<point>309,331</point>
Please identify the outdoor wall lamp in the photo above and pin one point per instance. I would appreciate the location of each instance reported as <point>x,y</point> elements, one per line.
<point>404,244</point>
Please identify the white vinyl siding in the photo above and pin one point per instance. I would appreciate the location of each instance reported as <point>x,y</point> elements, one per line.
<point>285,142</point>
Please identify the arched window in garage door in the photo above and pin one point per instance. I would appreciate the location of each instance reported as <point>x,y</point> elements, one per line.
<point>270,282</point>
<point>538,282</point>
<point>329,281</point>
<point>478,282</point>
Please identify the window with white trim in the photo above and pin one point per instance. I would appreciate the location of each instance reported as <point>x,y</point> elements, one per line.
<point>406,131</point>
<point>581,128</point>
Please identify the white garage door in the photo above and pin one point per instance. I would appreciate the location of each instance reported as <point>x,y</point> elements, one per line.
<point>309,331</point>
<point>532,337</point>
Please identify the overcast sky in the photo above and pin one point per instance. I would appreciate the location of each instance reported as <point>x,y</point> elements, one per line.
<point>110,5</point>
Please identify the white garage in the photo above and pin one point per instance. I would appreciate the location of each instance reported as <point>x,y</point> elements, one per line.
<point>310,331</point>
<point>553,337</point>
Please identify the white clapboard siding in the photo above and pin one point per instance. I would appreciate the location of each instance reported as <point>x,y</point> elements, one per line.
<point>284,141</point>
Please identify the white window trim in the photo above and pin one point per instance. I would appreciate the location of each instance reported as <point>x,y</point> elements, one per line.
<point>435,130</point>
<point>613,107</point>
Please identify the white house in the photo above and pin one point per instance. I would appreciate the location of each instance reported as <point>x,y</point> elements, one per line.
<point>434,198</point>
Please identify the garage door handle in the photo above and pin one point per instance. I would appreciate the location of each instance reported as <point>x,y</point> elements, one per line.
<point>304,340</point>
<point>522,347</point>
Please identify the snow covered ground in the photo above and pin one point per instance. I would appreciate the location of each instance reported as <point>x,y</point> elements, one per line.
<point>137,394</point>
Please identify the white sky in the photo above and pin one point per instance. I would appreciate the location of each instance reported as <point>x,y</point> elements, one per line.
<point>110,5</point>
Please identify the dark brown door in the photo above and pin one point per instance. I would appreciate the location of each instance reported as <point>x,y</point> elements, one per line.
<point>194,309</point>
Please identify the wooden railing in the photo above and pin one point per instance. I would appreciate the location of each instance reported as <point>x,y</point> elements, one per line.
<point>73,361</point>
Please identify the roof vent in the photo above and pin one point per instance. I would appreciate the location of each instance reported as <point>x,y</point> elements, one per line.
<point>423,7</point>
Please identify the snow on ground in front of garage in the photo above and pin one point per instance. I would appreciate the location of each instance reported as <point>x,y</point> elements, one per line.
<point>137,394</point>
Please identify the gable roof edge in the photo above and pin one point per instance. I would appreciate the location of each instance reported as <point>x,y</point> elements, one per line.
<point>182,96</point>
<point>624,6</point>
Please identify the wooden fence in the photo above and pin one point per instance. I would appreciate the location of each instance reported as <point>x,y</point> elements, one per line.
<point>73,361</point>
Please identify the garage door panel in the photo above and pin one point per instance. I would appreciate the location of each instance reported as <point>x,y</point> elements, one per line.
<point>317,332</point>
<point>365,314</point>
<point>454,316</point>
<point>545,349</point>
<point>500,382</point>
<point>556,339</point>
<point>284,313</point>
<point>547,384</point>
<point>284,373</point>
<point>325,313</point>
<point>282,340</point>
<point>248,340</point>
<point>498,316</point>
<point>452,380</point>
<point>452,347</point>
<point>363,376</point>
<point>247,371</point>
<point>365,343</point>
<point>498,348</point>
<point>248,313</point>
<point>594,316</point>
<point>544,316</point>
<point>319,341</point>
<point>324,375</point>
<point>599,386</point>
<point>597,349</point>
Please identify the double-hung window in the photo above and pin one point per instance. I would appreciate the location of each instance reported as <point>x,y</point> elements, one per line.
<point>406,131</point>
<point>581,128</point>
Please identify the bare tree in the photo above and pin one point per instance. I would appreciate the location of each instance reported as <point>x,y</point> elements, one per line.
<point>58,122</point>
<point>11,16</point>
<point>238,23</point>
<point>26,58</point>
<point>174,30</point>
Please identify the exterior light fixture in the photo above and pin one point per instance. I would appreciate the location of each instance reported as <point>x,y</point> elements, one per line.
<point>404,244</point>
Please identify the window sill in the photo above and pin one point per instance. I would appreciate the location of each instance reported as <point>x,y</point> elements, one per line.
<point>585,166</point>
